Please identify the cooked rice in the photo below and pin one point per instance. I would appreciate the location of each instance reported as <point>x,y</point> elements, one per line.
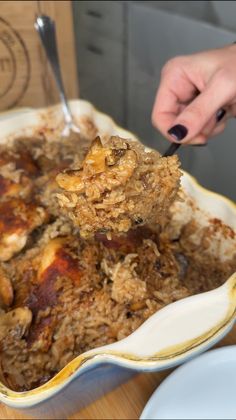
<point>62,295</point>
<point>118,186</point>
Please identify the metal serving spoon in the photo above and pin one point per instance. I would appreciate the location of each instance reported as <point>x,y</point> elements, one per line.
<point>46,29</point>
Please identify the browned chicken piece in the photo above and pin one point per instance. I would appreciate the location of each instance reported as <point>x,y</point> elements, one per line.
<point>17,170</point>
<point>119,185</point>
<point>53,263</point>
<point>55,260</point>
<point>17,220</point>
<point>41,268</point>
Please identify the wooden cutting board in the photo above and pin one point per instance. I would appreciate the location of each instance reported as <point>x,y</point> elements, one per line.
<point>125,402</point>
<point>25,76</point>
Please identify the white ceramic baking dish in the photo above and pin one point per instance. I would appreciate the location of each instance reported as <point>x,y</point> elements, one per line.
<point>172,335</point>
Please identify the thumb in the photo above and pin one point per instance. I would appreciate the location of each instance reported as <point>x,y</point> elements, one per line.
<point>191,121</point>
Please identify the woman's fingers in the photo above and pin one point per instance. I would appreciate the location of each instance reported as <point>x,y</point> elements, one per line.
<point>192,120</point>
<point>175,91</point>
<point>196,94</point>
<point>202,138</point>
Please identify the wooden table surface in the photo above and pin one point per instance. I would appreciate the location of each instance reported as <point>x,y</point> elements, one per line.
<point>125,402</point>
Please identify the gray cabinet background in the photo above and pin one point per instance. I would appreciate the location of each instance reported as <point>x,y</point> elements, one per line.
<point>121,48</point>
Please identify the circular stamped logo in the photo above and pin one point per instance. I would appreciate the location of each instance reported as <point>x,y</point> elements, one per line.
<point>14,66</point>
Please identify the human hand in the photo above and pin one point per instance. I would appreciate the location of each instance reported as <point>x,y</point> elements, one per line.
<point>197,94</point>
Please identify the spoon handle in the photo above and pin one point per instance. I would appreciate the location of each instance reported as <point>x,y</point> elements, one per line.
<point>171,149</point>
<point>46,29</point>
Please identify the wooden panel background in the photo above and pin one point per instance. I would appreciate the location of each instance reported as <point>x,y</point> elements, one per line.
<point>25,76</point>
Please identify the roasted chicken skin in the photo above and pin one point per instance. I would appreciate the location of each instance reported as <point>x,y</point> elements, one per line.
<point>17,220</point>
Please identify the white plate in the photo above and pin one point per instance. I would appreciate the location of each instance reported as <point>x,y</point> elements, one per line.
<point>203,388</point>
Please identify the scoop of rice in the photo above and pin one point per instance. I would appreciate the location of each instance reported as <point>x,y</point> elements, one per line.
<point>119,185</point>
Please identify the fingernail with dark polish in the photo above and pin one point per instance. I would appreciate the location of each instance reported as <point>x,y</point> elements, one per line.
<point>220,114</point>
<point>199,145</point>
<point>178,132</point>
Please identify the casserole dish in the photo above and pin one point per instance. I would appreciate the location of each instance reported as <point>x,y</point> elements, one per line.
<point>170,336</point>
